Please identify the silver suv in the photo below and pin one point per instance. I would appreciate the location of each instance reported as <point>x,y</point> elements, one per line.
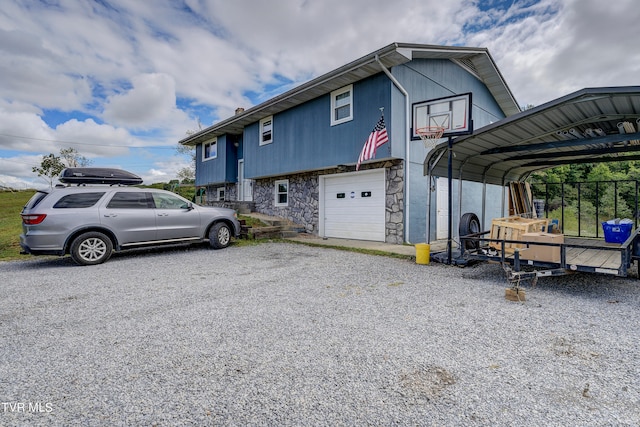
<point>90,222</point>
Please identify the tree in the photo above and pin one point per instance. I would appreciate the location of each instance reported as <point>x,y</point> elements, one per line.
<point>73,159</point>
<point>50,167</point>
<point>187,175</point>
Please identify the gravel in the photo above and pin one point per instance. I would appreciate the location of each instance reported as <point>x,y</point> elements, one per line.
<point>286,334</point>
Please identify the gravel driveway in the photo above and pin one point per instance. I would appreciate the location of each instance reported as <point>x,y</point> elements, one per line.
<point>286,334</point>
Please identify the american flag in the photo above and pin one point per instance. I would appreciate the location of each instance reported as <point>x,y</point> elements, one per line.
<point>376,139</point>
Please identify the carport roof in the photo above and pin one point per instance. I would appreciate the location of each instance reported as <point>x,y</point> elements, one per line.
<point>587,126</point>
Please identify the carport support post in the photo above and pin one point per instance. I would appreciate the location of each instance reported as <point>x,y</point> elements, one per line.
<point>450,201</point>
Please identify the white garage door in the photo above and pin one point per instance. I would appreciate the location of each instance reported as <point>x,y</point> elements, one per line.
<point>354,205</point>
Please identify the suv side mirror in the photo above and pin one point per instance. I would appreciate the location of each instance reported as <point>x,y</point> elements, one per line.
<point>188,206</point>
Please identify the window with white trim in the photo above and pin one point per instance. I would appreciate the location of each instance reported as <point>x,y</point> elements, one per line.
<point>282,193</point>
<point>220,194</point>
<point>342,105</point>
<point>266,130</point>
<point>210,149</point>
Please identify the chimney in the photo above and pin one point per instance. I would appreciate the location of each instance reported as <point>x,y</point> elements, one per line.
<point>239,110</point>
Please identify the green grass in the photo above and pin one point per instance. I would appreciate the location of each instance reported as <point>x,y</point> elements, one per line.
<point>11,204</point>
<point>11,226</point>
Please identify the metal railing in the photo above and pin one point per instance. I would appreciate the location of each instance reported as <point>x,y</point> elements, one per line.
<point>592,202</point>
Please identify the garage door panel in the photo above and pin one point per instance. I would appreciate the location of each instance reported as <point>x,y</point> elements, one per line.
<point>353,210</point>
<point>342,216</point>
<point>354,206</point>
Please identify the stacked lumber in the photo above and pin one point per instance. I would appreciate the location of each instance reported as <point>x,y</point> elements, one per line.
<point>521,200</point>
<point>514,228</point>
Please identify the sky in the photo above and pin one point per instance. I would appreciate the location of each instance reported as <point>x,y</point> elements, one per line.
<point>122,81</point>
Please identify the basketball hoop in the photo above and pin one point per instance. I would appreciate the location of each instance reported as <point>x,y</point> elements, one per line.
<point>430,135</point>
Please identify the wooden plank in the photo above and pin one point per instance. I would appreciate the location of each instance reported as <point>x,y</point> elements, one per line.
<point>532,207</point>
<point>597,258</point>
<point>614,261</point>
<point>586,257</point>
<point>573,253</point>
<point>512,204</point>
<point>593,257</point>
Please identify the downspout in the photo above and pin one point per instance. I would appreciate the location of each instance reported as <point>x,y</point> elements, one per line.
<point>407,199</point>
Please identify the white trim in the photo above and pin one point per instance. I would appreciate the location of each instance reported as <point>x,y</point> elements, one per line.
<point>218,191</point>
<point>210,142</point>
<point>266,121</point>
<point>276,193</point>
<point>334,105</point>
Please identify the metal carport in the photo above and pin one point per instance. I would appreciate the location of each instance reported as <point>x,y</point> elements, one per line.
<point>588,126</point>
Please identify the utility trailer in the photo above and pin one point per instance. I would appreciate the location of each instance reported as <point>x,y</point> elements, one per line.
<point>592,125</point>
<point>576,255</point>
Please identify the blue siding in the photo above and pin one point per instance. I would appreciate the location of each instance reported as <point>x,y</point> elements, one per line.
<point>223,168</point>
<point>436,78</point>
<point>303,138</point>
<point>429,79</point>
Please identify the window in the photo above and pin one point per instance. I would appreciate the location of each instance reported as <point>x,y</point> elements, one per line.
<point>342,105</point>
<point>210,150</point>
<point>282,193</point>
<point>129,200</point>
<point>35,199</point>
<point>169,201</point>
<point>79,200</point>
<point>266,130</point>
<point>220,194</point>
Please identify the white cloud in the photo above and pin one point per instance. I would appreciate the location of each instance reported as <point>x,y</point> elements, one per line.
<point>149,104</point>
<point>564,46</point>
<point>17,172</point>
<point>114,75</point>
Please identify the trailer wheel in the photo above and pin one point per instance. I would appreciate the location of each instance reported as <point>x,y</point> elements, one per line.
<point>469,224</point>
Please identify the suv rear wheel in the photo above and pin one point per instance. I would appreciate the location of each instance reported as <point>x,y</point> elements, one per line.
<point>91,248</point>
<point>220,236</point>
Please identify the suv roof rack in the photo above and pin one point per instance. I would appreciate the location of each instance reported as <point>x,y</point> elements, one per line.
<point>98,176</point>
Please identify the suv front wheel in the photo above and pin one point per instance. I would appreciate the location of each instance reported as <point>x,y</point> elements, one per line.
<point>220,236</point>
<point>91,248</point>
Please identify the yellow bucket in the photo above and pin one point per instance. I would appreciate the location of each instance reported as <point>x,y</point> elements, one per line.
<point>423,253</point>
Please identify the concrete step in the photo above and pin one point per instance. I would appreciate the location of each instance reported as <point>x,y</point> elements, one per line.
<point>265,232</point>
<point>287,234</point>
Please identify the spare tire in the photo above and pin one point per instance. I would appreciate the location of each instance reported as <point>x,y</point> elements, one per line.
<point>469,224</point>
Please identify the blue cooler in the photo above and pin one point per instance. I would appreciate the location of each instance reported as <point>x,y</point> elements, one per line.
<point>617,230</point>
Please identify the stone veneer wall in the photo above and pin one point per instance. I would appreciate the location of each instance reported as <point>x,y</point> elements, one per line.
<point>230,192</point>
<point>304,196</point>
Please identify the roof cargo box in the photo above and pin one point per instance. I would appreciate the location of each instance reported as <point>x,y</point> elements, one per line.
<point>98,176</point>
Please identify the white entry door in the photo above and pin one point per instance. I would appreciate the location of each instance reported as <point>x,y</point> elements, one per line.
<point>245,186</point>
<point>353,205</point>
<point>442,208</point>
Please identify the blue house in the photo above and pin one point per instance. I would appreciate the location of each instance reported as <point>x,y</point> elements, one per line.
<point>294,156</point>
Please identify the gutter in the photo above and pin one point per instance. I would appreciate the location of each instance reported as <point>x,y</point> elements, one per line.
<point>407,175</point>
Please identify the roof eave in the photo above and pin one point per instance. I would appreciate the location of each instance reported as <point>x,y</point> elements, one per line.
<point>391,55</point>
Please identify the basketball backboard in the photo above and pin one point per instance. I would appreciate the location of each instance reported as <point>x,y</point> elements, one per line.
<point>453,113</point>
